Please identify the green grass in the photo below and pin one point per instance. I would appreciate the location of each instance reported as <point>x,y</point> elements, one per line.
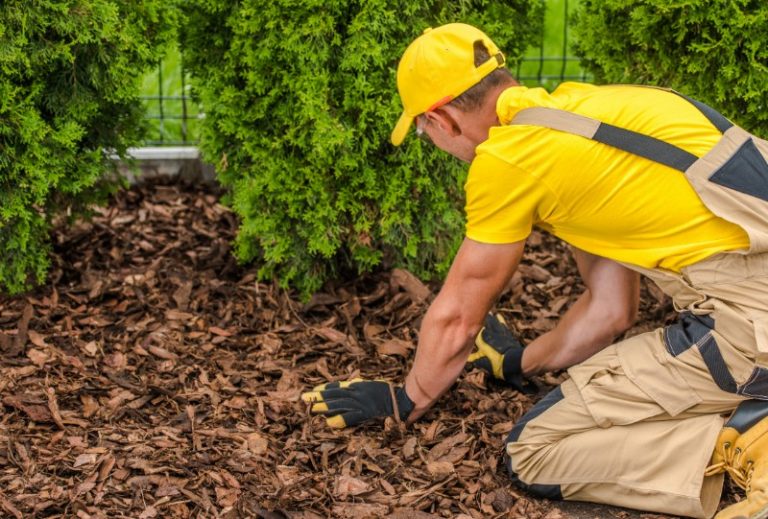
<point>166,79</point>
<point>162,90</point>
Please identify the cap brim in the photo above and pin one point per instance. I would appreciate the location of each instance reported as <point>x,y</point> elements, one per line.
<point>401,129</point>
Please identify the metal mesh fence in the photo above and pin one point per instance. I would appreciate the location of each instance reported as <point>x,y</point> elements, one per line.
<point>551,62</point>
<point>174,117</point>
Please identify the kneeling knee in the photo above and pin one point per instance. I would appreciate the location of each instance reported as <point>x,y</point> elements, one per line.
<point>549,491</point>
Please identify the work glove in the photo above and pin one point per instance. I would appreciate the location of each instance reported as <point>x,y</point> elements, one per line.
<point>500,354</point>
<point>353,402</point>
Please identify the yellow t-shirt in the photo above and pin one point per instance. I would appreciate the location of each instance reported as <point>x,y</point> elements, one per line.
<point>598,198</point>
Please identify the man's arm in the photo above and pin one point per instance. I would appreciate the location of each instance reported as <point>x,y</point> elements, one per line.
<point>606,309</point>
<point>478,274</point>
<point>448,332</point>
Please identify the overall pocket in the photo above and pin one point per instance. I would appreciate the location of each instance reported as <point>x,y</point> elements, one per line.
<point>647,364</point>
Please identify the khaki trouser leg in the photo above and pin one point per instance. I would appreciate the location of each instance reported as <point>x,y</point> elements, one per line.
<point>640,442</point>
<point>636,424</point>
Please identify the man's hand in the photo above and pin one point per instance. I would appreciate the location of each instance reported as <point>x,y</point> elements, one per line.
<point>353,402</point>
<point>500,354</point>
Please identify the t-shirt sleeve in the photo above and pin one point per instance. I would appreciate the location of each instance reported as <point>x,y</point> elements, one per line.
<point>503,202</point>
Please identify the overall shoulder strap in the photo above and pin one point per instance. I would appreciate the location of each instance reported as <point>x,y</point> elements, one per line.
<point>627,140</point>
<point>630,141</point>
<point>717,119</point>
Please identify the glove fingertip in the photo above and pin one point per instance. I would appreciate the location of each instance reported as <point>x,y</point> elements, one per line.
<point>336,422</point>
<point>311,396</point>
<point>347,383</point>
<point>319,407</point>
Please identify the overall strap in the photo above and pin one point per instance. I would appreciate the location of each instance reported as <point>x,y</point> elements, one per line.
<point>630,141</point>
<point>716,118</point>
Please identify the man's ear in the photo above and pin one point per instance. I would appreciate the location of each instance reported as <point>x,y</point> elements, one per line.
<point>444,117</point>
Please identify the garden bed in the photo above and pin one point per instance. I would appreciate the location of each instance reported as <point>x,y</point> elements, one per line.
<point>154,377</point>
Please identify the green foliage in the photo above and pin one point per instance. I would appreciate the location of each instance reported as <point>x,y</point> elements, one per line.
<point>70,75</point>
<point>300,100</point>
<point>714,50</point>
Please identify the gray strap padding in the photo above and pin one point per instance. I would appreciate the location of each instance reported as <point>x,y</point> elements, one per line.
<point>645,146</point>
<point>716,365</point>
<point>687,331</point>
<point>630,141</point>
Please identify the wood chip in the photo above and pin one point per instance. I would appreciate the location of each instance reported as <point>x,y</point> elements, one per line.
<point>395,347</point>
<point>155,376</point>
<point>414,287</point>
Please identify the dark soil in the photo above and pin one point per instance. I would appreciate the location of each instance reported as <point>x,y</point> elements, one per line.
<point>154,377</point>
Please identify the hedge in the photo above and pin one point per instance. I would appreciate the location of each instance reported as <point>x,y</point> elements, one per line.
<point>300,99</point>
<point>70,74</point>
<point>715,50</point>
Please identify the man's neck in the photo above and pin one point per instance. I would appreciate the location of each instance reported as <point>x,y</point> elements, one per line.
<point>485,117</point>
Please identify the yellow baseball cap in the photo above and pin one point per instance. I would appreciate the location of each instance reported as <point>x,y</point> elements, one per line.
<point>437,67</point>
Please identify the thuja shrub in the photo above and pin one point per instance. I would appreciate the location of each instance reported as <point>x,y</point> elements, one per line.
<point>715,50</point>
<point>300,99</point>
<point>70,74</point>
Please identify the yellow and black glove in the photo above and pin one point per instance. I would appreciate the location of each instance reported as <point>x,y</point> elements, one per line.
<point>500,354</point>
<point>353,402</point>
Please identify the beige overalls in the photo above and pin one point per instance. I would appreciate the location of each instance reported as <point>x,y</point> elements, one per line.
<point>635,425</point>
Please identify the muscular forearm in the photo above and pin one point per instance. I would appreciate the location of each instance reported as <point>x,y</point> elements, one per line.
<point>444,344</point>
<point>586,328</point>
<point>454,318</point>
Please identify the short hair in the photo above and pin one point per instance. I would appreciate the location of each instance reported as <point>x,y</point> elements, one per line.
<point>475,96</point>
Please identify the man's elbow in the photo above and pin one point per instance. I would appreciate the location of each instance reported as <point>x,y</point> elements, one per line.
<point>621,318</point>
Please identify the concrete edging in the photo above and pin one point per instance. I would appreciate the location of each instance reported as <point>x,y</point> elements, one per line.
<point>174,161</point>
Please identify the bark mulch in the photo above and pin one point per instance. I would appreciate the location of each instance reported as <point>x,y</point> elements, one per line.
<point>154,377</point>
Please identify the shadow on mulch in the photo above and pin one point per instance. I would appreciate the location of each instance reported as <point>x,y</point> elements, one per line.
<point>154,377</point>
